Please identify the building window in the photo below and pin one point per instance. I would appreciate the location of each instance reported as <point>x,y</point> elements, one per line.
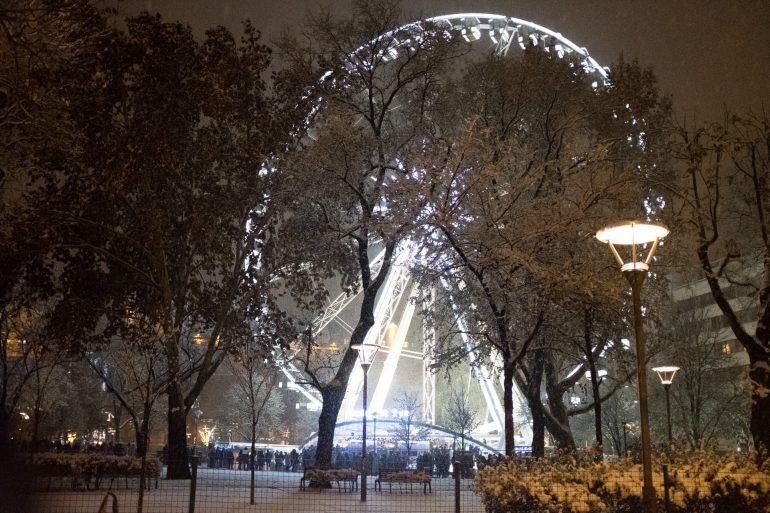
<point>726,349</point>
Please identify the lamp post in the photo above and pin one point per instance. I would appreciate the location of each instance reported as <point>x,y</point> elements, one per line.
<point>666,374</point>
<point>625,439</point>
<point>635,234</point>
<point>366,353</point>
<point>197,412</point>
<point>374,438</point>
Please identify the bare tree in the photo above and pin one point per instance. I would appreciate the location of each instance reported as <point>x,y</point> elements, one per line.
<point>255,379</point>
<point>70,399</point>
<point>708,392</point>
<point>27,366</point>
<point>461,416</point>
<point>618,412</point>
<point>408,429</point>
<point>135,376</point>
<point>722,189</point>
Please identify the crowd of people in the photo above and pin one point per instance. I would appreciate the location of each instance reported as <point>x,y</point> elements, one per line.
<point>234,458</point>
<point>437,461</point>
<point>231,457</point>
<point>78,445</point>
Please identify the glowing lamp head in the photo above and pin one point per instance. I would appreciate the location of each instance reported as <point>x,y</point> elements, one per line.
<point>633,234</point>
<point>666,373</point>
<point>366,353</point>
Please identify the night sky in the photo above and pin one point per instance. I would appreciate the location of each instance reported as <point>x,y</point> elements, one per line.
<point>706,54</point>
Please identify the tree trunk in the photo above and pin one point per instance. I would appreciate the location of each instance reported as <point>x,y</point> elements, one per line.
<point>557,422</point>
<point>333,393</point>
<point>332,401</point>
<point>35,425</point>
<point>5,435</point>
<point>557,417</point>
<point>510,441</point>
<point>538,429</point>
<point>36,410</point>
<point>118,409</point>
<point>531,390</point>
<point>142,437</point>
<point>597,415</point>
<point>759,374</point>
<point>178,460</point>
<point>251,458</point>
<point>595,393</point>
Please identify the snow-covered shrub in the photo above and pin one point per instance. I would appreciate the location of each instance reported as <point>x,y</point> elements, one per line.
<point>90,464</point>
<point>698,482</point>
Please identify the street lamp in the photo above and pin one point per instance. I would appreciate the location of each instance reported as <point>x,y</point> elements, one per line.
<point>366,353</point>
<point>666,374</point>
<point>197,412</point>
<point>636,234</point>
<point>626,426</point>
<point>374,435</point>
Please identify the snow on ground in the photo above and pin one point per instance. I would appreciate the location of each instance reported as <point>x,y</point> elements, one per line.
<point>220,491</point>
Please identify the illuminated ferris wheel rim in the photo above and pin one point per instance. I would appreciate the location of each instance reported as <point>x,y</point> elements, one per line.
<point>512,23</point>
<point>502,31</point>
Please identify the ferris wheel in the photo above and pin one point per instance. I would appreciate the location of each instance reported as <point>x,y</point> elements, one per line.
<point>395,306</point>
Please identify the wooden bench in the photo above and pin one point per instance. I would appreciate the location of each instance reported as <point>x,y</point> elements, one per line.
<point>324,477</point>
<point>404,477</point>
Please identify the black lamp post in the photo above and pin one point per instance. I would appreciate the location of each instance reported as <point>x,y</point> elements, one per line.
<point>635,234</point>
<point>366,353</point>
<point>374,436</point>
<point>626,425</point>
<point>666,375</point>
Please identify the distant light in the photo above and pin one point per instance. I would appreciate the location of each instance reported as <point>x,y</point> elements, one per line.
<point>600,373</point>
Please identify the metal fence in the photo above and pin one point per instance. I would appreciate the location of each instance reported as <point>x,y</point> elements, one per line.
<point>217,490</point>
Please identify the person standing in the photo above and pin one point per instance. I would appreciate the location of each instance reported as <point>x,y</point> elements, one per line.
<point>212,456</point>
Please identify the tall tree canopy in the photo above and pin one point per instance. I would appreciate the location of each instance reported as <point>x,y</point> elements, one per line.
<point>369,102</point>
<point>168,229</point>
<point>522,173</point>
